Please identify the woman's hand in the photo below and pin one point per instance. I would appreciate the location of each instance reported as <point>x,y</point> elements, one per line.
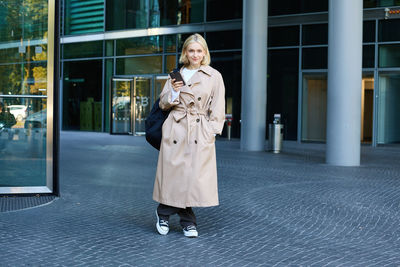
<point>176,85</point>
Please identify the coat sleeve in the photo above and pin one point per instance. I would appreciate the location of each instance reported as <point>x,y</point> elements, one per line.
<point>166,101</point>
<point>217,107</point>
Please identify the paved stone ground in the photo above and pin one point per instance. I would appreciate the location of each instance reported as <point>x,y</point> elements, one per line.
<point>289,209</point>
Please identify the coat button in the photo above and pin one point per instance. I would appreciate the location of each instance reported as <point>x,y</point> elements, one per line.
<point>189,85</point>
<point>198,120</point>
<point>195,141</point>
<point>199,98</point>
<point>175,142</point>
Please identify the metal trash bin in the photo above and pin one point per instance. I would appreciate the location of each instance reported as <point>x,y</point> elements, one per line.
<point>275,135</point>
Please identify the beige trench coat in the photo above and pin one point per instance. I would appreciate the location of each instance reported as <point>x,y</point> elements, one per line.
<point>187,170</point>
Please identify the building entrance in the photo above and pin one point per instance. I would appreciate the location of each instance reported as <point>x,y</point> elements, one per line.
<point>131,102</point>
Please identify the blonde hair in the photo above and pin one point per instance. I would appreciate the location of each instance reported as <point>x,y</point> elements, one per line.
<point>198,39</point>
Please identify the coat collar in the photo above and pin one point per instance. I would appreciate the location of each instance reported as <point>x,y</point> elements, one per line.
<point>204,68</point>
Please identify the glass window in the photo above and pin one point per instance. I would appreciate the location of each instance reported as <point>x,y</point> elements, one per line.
<point>389,56</point>
<point>380,3</point>
<point>283,36</point>
<point>368,60</point>
<point>369,31</point>
<point>170,63</point>
<point>224,9</point>
<point>315,58</point>
<point>175,12</point>
<point>139,65</point>
<point>109,48</point>
<point>229,64</point>
<point>126,14</point>
<point>26,147</point>
<point>295,6</point>
<point>282,95</point>
<point>109,70</point>
<point>84,16</point>
<point>82,95</point>
<point>388,30</point>
<point>83,50</point>
<point>182,38</point>
<point>224,40</point>
<point>139,45</point>
<point>170,43</point>
<point>389,108</point>
<point>315,34</point>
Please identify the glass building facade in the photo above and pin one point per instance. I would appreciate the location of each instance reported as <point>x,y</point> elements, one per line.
<point>28,136</point>
<point>116,55</point>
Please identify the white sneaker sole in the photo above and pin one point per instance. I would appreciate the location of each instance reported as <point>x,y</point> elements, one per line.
<point>159,229</point>
<point>191,233</point>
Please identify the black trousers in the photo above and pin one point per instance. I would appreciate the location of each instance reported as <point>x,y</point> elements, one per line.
<point>187,216</point>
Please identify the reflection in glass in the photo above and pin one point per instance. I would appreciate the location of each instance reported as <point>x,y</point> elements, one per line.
<point>314,108</point>
<point>224,40</point>
<point>369,31</point>
<point>170,63</point>
<point>380,3</point>
<point>175,12</point>
<point>388,30</point>
<point>389,56</point>
<point>170,43</point>
<point>84,16</point>
<point>23,141</point>
<point>158,86</point>
<point>139,65</point>
<point>121,106</point>
<point>368,59</point>
<point>389,108</point>
<point>295,6</point>
<point>139,45</point>
<point>142,88</point>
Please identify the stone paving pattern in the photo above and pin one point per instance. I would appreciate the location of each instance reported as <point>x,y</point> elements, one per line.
<point>287,209</point>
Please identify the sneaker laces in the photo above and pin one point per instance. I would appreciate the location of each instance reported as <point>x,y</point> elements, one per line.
<point>191,227</point>
<point>163,223</point>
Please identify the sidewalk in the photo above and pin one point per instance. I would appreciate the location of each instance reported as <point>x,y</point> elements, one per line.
<point>287,209</point>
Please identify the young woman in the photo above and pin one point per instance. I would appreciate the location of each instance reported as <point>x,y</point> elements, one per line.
<point>186,171</point>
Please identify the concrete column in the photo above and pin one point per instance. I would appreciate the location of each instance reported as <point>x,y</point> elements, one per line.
<point>254,75</point>
<point>344,82</point>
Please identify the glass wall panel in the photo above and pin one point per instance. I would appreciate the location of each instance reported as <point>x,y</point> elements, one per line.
<point>369,31</point>
<point>295,6</point>
<point>389,56</point>
<point>389,108</point>
<point>23,20</point>
<point>22,139</point>
<point>315,34</point>
<point>175,12</point>
<point>229,64</point>
<point>82,95</point>
<point>25,46</point>
<point>182,37</point>
<point>380,3</point>
<point>83,50</point>
<point>282,95</point>
<point>224,9</point>
<point>313,117</point>
<point>109,48</point>
<point>139,65</point>
<point>170,43</point>
<point>283,36</point>
<point>109,70</point>
<point>170,63</point>
<point>224,40</point>
<point>368,60</point>
<point>388,30</point>
<point>140,45</point>
<point>126,14</point>
<point>315,58</point>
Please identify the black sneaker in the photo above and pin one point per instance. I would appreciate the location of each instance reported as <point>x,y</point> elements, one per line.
<point>162,225</point>
<point>190,231</point>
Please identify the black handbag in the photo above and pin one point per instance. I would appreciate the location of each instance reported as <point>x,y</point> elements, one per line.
<point>154,123</point>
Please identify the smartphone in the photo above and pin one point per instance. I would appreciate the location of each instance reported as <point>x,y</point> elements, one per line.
<point>177,76</point>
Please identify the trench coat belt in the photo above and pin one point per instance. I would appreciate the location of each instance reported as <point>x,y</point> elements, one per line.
<point>181,113</point>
